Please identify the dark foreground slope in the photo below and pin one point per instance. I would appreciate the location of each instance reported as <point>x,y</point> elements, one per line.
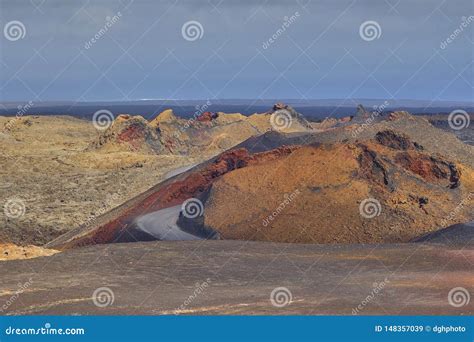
<point>458,233</point>
<point>233,277</point>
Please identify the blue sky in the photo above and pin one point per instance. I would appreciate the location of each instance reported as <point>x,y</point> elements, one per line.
<point>320,53</point>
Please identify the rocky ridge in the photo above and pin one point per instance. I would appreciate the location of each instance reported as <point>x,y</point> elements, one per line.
<point>205,132</point>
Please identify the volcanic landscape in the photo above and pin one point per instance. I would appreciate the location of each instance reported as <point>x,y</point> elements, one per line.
<point>213,214</point>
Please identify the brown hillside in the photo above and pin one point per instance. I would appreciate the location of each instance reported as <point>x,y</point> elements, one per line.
<point>318,201</point>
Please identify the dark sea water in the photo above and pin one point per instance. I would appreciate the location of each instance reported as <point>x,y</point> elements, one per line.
<point>312,109</point>
<point>149,111</point>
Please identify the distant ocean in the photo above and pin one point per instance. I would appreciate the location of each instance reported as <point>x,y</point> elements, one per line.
<point>313,109</point>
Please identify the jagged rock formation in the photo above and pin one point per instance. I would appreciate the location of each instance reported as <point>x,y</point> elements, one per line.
<point>131,133</point>
<point>296,121</point>
<point>207,117</point>
<point>206,133</point>
<point>165,116</point>
<point>396,140</point>
<point>362,112</point>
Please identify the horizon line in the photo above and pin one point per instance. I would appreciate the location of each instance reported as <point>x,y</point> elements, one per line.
<point>242,99</point>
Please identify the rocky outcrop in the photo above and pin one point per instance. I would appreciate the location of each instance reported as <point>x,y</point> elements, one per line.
<point>397,141</point>
<point>430,168</point>
<point>290,117</point>
<point>207,117</point>
<point>130,133</point>
<point>362,112</point>
<point>167,116</point>
<point>207,133</point>
<point>373,168</point>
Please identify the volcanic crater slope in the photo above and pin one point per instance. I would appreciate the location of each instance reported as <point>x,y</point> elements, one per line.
<point>395,179</point>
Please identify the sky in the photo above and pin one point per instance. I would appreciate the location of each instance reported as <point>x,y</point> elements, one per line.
<point>106,50</point>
